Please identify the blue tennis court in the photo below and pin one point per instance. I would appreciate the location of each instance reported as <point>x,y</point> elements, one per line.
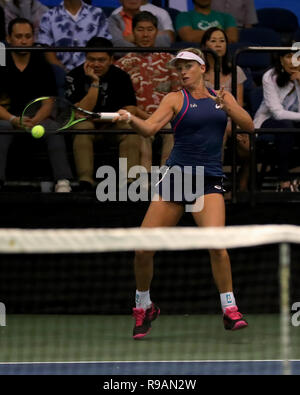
<point>150,368</point>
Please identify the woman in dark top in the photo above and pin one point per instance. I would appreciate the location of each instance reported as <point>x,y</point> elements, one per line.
<point>199,119</point>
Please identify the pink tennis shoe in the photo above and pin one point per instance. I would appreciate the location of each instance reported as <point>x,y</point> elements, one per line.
<point>233,319</point>
<point>143,319</point>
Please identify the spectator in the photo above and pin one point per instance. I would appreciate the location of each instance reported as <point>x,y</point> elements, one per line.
<point>72,23</point>
<point>217,40</point>
<point>32,10</point>
<point>152,79</point>
<point>280,108</point>
<point>2,24</point>
<point>120,26</point>
<point>98,85</point>
<point>191,25</point>
<point>164,19</point>
<point>25,77</point>
<point>243,11</point>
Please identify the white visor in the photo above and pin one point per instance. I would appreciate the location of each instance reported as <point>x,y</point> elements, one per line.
<point>186,55</point>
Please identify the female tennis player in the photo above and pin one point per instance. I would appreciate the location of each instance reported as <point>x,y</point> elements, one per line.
<point>198,117</point>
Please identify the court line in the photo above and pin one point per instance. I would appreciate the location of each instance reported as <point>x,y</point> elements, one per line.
<point>152,361</point>
<point>155,368</point>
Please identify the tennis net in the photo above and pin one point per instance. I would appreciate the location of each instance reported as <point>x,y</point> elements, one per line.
<point>68,295</point>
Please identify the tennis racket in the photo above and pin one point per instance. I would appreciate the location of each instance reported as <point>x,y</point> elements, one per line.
<point>59,114</point>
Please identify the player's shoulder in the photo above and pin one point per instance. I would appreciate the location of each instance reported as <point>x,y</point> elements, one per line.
<point>173,97</point>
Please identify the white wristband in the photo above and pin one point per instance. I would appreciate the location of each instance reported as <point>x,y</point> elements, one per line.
<point>12,118</point>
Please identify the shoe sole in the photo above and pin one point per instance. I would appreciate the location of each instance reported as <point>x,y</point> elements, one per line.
<point>237,326</point>
<point>141,335</point>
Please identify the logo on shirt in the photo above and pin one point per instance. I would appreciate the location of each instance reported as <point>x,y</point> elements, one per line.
<point>193,105</point>
<point>205,25</point>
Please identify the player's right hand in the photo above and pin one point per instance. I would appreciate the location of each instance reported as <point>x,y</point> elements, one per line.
<point>124,116</point>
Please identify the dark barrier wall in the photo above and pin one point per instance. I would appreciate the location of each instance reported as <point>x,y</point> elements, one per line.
<point>104,283</point>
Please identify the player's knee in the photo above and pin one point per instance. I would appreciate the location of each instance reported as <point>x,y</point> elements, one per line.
<point>142,255</point>
<point>82,140</point>
<point>218,253</point>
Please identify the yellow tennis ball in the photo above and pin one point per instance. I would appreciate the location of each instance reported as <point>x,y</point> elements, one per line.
<point>38,131</point>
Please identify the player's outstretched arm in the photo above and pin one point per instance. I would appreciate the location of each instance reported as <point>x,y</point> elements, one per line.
<point>157,120</point>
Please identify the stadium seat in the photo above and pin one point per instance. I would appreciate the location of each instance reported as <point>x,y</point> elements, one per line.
<point>107,11</point>
<point>296,36</point>
<point>184,44</point>
<point>281,20</point>
<point>51,3</point>
<point>260,36</point>
<point>106,3</point>
<point>255,99</point>
<point>256,62</point>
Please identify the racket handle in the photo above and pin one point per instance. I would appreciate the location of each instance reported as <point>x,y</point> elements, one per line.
<point>109,116</point>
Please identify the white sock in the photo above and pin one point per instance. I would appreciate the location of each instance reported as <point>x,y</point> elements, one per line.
<point>227,300</point>
<point>142,300</point>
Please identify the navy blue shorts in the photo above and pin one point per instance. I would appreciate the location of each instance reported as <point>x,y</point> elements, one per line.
<point>188,189</point>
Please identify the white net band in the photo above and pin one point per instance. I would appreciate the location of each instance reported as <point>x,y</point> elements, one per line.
<point>130,239</point>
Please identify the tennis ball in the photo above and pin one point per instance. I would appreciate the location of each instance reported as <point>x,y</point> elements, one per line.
<point>38,131</point>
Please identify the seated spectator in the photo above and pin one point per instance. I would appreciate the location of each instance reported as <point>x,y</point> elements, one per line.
<point>243,11</point>
<point>71,24</point>
<point>163,17</point>
<point>216,39</point>
<point>32,10</point>
<point>25,77</point>
<point>280,108</point>
<point>152,79</point>
<point>97,85</point>
<point>120,26</point>
<point>2,24</point>
<point>191,25</point>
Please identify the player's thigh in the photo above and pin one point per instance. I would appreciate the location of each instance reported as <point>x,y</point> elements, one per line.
<point>161,213</point>
<point>213,212</point>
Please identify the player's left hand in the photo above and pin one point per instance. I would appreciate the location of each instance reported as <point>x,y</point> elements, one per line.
<point>220,98</point>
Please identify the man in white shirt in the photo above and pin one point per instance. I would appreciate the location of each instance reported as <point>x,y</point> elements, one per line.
<point>180,5</point>
<point>162,15</point>
<point>243,11</point>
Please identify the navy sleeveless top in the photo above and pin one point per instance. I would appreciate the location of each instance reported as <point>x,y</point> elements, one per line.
<point>198,135</point>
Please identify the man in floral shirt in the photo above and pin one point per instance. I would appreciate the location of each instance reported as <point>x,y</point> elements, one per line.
<point>71,24</point>
<point>152,79</point>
